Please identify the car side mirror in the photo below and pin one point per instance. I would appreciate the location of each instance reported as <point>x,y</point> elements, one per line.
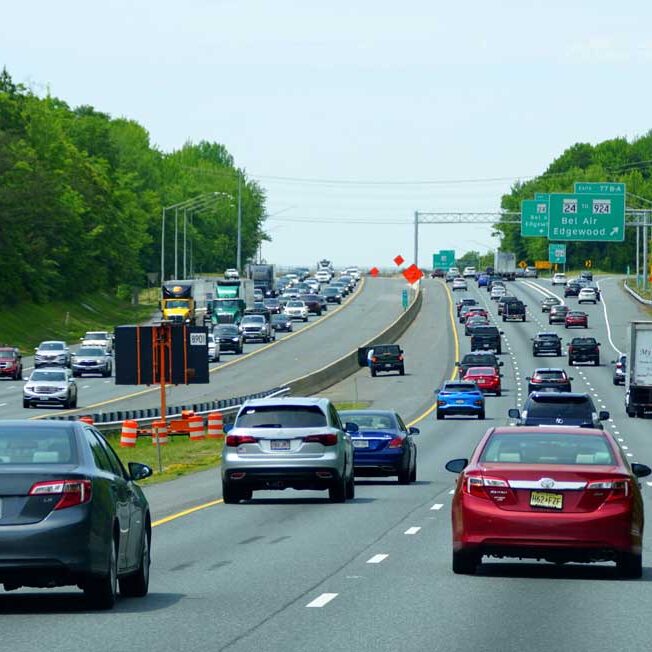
<point>641,470</point>
<point>228,428</point>
<point>571,378</point>
<point>457,466</point>
<point>457,364</point>
<point>351,427</point>
<point>528,377</point>
<point>603,415</point>
<point>612,362</point>
<point>139,471</point>
<point>500,364</point>
<point>81,339</point>
<point>514,413</point>
<point>414,431</point>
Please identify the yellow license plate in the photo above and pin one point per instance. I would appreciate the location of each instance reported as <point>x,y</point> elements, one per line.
<point>546,499</point>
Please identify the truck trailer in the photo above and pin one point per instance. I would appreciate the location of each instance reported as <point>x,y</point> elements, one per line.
<point>505,265</point>
<point>263,278</point>
<point>638,377</point>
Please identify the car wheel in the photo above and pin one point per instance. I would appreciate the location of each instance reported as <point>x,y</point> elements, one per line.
<point>305,319</point>
<point>76,375</point>
<point>404,473</point>
<point>26,404</point>
<point>73,402</point>
<point>101,591</point>
<point>534,354</point>
<point>337,491</point>
<point>571,362</point>
<point>413,474</point>
<point>373,373</point>
<point>350,487</point>
<point>481,415</point>
<point>230,495</point>
<point>558,352</point>
<point>136,585</point>
<point>439,415</point>
<point>596,362</point>
<point>402,371</point>
<point>615,382</point>
<point>499,393</point>
<point>465,562</point>
<point>239,349</point>
<point>630,565</point>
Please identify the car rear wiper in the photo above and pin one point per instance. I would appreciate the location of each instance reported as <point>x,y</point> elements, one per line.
<point>268,425</point>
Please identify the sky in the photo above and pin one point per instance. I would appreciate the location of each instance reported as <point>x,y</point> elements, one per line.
<point>353,115</point>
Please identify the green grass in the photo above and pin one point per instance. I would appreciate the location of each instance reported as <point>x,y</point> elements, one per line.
<point>27,324</point>
<point>353,405</point>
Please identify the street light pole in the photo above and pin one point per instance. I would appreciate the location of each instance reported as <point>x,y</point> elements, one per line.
<point>163,247</point>
<point>176,243</point>
<point>185,224</point>
<point>239,247</point>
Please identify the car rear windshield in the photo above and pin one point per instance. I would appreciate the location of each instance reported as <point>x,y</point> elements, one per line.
<point>482,371</point>
<point>547,336</point>
<point>460,387</point>
<point>547,448</point>
<point>486,330</point>
<point>370,421</point>
<point>549,373</point>
<point>49,376</point>
<point>386,350</point>
<point>281,416</point>
<point>479,359</point>
<point>25,445</point>
<point>566,407</point>
<point>583,341</point>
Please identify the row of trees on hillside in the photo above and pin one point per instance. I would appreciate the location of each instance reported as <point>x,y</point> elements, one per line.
<point>613,160</point>
<point>81,199</point>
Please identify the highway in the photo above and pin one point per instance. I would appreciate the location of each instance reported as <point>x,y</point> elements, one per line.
<point>375,304</point>
<point>291,571</point>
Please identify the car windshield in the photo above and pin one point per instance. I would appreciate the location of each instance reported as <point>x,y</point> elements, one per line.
<point>253,319</point>
<point>95,336</point>
<point>10,355</point>
<point>533,447</point>
<point>331,291</point>
<point>551,406</point>
<point>370,420</point>
<point>52,346</point>
<point>35,445</point>
<point>91,351</point>
<point>50,376</point>
<point>460,387</point>
<point>226,330</point>
<point>486,330</point>
<point>295,304</point>
<point>281,416</point>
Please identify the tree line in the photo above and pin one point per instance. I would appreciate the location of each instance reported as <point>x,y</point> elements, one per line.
<point>617,160</point>
<point>82,194</point>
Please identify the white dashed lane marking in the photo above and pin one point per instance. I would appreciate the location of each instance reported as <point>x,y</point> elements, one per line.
<point>436,507</point>
<point>412,530</point>
<point>322,600</point>
<point>376,559</point>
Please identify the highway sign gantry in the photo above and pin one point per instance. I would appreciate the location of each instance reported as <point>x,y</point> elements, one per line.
<point>587,217</point>
<point>534,218</point>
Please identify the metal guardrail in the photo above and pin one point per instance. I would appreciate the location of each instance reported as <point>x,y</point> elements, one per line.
<point>107,421</point>
<point>636,295</point>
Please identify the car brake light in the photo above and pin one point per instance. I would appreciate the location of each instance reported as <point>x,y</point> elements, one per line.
<point>327,439</point>
<point>480,487</point>
<point>374,359</point>
<point>72,492</point>
<point>615,489</point>
<point>534,379</point>
<point>397,442</point>
<point>400,357</point>
<point>237,440</point>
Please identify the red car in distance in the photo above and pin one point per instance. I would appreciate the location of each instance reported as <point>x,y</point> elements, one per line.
<point>558,493</point>
<point>472,311</point>
<point>576,319</point>
<point>486,378</point>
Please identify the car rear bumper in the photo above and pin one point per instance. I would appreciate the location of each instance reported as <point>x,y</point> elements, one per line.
<point>387,462</point>
<point>460,409</point>
<point>290,477</point>
<point>482,525</point>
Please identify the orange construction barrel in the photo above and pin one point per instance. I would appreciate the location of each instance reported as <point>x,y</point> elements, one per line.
<point>215,428</point>
<point>195,427</point>
<point>129,434</point>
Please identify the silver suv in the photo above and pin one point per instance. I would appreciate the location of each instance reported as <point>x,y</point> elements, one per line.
<point>282,443</point>
<point>52,353</point>
<point>255,327</point>
<point>52,386</point>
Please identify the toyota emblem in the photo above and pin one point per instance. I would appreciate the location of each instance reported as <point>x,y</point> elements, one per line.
<point>547,483</point>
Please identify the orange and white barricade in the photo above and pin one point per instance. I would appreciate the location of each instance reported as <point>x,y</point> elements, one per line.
<point>129,434</point>
<point>88,420</point>
<point>196,427</point>
<point>159,433</point>
<point>215,426</point>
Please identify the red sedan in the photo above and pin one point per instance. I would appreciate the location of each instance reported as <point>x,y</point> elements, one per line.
<point>472,311</point>
<point>576,318</point>
<point>486,378</point>
<point>557,493</point>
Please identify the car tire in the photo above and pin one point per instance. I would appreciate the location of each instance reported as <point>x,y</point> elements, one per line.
<point>404,474</point>
<point>481,415</point>
<point>499,393</point>
<point>26,404</point>
<point>615,382</point>
<point>73,402</point>
<point>413,473</point>
<point>401,371</point>
<point>239,350</point>
<point>230,496</point>
<point>465,562</point>
<point>534,354</point>
<point>558,352</point>
<point>439,415</point>
<point>373,373</point>
<point>305,319</point>
<point>350,487</point>
<point>101,591</point>
<point>596,362</point>
<point>337,491</point>
<point>630,565</point>
<point>76,375</point>
<point>136,585</point>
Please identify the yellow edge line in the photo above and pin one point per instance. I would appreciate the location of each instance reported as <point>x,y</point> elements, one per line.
<point>185,512</point>
<point>150,390</point>
<point>456,341</point>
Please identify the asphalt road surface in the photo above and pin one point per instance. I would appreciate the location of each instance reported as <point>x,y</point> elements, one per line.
<point>290,571</point>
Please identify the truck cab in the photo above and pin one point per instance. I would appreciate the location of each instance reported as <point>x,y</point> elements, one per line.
<point>177,303</point>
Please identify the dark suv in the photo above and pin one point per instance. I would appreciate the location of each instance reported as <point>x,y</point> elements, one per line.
<point>558,409</point>
<point>500,305</point>
<point>478,359</point>
<point>486,338</point>
<point>514,311</point>
<point>546,343</point>
<point>584,349</point>
<point>386,357</point>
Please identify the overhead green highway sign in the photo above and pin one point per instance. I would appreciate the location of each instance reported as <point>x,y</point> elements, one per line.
<point>586,217</point>
<point>445,259</point>
<point>557,253</point>
<point>534,218</point>
<point>599,188</point>
<point>541,196</point>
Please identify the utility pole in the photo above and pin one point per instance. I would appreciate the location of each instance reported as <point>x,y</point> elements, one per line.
<point>176,243</point>
<point>645,257</point>
<point>239,250</point>
<point>185,225</point>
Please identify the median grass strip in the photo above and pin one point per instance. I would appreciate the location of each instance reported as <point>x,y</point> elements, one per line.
<point>182,457</point>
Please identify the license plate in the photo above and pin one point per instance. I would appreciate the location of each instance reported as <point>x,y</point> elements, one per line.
<point>459,401</point>
<point>360,443</point>
<point>546,499</point>
<point>387,365</point>
<point>280,445</point>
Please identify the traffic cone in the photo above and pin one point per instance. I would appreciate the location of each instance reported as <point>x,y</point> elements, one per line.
<point>129,434</point>
<point>196,427</point>
<point>215,426</point>
<point>88,420</point>
<point>159,433</point>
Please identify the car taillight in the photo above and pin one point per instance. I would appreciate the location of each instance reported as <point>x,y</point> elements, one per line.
<point>534,379</point>
<point>400,357</point>
<point>478,401</point>
<point>374,359</point>
<point>72,492</point>
<point>397,442</point>
<point>614,490</point>
<point>237,440</point>
<point>327,439</point>
<point>619,366</point>
<point>570,348</point>
<point>488,487</point>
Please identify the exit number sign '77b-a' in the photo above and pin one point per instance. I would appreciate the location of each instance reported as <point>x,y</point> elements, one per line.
<point>587,217</point>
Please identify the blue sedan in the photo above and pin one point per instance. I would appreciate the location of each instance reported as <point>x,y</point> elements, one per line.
<point>383,445</point>
<point>459,397</point>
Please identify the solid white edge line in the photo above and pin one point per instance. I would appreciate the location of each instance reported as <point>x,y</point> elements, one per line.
<point>376,559</point>
<point>412,530</point>
<point>322,600</point>
<point>606,319</point>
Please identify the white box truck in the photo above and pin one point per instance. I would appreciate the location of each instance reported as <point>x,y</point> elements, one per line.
<point>638,377</point>
<point>505,264</point>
